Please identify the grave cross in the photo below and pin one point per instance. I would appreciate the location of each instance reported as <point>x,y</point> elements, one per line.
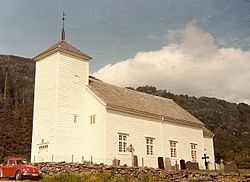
<point>205,158</point>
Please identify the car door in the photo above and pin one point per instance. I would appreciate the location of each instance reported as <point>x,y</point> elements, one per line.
<point>12,168</point>
<point>4,168</point>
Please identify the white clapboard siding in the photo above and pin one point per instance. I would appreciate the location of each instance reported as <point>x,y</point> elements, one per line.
<point>209,150</point>
<point>138,128</point>
<point>45,104</point>
<point>184,135</point>
<point>72,81</point>
<point>94,134</point>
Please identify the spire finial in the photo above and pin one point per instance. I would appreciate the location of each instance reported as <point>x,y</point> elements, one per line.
<point>63,32</point>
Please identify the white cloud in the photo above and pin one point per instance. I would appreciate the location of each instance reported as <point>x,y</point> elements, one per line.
<point>193,65</point>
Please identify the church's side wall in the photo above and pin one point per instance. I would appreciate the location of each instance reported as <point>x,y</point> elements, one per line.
<point>209,151</point>
<point>44,118</point>
<point>184,136</point>
<point>138,128</point>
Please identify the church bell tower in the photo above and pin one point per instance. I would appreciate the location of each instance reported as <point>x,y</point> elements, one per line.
<point>62,74</point>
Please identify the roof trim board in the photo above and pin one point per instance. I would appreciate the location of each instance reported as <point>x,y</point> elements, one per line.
<point>64,47</point>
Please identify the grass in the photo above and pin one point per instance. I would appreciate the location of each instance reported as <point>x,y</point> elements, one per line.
<point>101,177</point>
<point>106,177</point>
<point>244,171</point>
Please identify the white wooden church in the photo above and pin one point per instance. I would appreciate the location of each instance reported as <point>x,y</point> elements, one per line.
<point>79,118</point>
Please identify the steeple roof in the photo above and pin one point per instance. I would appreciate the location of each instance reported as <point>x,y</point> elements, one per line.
<point>64,47</point>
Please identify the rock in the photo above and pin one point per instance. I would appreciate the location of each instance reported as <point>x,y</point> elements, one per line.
<point>231,167</point>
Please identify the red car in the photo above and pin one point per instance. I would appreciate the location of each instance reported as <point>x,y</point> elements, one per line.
<point>18,169</point>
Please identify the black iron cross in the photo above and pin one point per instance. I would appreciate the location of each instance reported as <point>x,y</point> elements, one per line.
<point>205,158</point>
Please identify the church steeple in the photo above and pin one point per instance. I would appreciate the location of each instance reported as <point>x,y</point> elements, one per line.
<point>63,32</point>
<point>64,47</point>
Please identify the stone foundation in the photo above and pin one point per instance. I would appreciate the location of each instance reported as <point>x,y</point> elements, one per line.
<point>51,169</point>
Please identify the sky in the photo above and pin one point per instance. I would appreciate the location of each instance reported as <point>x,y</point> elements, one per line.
<point>194,47</point>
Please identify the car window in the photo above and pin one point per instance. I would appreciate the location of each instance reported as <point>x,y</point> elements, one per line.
<point>11,162</point>
<point>21,162</point>
<point>5,163</point>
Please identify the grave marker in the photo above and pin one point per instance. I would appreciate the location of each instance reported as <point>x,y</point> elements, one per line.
<point>205,158</point>
<point>182,163</point>
<point>167,164</point>
<point>160,163</point>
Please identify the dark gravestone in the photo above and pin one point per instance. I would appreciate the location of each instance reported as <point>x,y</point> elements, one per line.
<point>192,165</point>
<point>160,163</point>
<point>135,161</point>
<point>231,167</point>
<point>182,163</point>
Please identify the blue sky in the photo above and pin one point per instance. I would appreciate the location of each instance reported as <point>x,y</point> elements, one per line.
<point>113,31</point>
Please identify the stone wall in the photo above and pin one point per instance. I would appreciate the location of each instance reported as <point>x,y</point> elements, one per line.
<point>51,169</point>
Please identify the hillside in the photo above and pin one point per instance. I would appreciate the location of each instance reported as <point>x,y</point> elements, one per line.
<point>16,105</point>
<point>229,121</point>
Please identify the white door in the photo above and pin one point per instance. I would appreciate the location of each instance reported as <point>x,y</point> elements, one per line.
<point>43,153</point>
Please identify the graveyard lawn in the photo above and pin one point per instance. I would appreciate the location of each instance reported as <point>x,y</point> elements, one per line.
<point>100,177</point>
<point>241,171</point>
<point>244,171</point>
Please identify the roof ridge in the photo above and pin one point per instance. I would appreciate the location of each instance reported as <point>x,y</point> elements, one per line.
<point>65,47</point>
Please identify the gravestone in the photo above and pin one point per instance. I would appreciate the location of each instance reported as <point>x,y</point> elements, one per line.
<point>192,165</point>
<point>116,162</point>
<point>167,164</point>
<point>182,163</point>
<point>176,166</point>
<point>160,163</point>
<point>231,167</point>
<point>135,161</point>
<point>221,165</point>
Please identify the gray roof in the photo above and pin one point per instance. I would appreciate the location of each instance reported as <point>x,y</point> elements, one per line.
<point>134,101</point>
<point>63,46</point>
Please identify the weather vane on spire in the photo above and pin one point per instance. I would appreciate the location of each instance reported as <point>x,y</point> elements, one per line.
<point>63,32</point>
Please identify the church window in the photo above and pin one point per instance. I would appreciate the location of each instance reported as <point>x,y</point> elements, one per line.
<point>123,142</point>
<point>92,119</point>
<point>150,146</point>
<point>75,118</point>
<point>193,151</point>
<point>173,149</point>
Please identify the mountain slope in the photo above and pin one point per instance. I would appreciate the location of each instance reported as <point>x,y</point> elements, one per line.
<point>16,105</point>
